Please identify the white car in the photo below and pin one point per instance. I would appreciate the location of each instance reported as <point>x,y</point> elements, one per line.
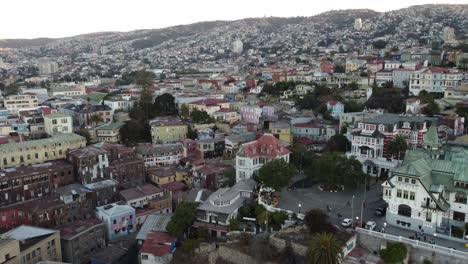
<point>346,222</point>
<point>371,225</point>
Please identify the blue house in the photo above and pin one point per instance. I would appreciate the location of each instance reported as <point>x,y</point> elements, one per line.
<point>336,108</point>
<point>119,219</point>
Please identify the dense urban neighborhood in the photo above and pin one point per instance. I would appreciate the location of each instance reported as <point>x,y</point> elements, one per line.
<point>336,138</point>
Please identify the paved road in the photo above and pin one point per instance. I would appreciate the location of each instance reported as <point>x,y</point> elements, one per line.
<point>340,202</point>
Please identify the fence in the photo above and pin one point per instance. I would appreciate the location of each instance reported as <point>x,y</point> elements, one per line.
<point>275,209</point>
<point>417,244</point>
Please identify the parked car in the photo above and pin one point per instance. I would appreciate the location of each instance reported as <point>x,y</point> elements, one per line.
<point>371,225</point>
<point>346,222</point>
<point>381,211</point>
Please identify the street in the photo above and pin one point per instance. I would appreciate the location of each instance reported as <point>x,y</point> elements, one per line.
<point>301,200</point>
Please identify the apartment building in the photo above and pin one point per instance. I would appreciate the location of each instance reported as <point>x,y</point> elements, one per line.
<point>40,150</point>
<point>168,130</point>
<point>434,80</point>
<point>109,132</point>
<point>161,154</point>
<point>58,123</point>
<point>119,219</point>
<point>16,103</point>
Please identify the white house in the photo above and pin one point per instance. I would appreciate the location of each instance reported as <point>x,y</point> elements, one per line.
<point>58,123</point>
<point>253,155</point>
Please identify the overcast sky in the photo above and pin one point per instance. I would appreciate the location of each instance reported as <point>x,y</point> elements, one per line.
<point>62,18</point>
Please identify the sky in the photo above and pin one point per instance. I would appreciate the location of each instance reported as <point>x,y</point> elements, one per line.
<point>63,18</point>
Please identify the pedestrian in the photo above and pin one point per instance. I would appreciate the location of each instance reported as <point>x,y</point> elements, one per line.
<point>425,238</point>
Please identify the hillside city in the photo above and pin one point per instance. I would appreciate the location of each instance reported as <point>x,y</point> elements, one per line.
<point>335,138</point>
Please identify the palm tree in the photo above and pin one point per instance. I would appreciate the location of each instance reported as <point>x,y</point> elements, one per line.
<point>324,248</point>
<point>397,146</point>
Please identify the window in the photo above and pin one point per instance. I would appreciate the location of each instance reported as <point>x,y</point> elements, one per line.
<point>388,192</point>
<point>413,181</point>
<point>400,179</point>
<point>405,194</point>
<point>406,180</point>
<point>428,217</point>
<point>398,194</point>
<point>412,196</point>
<point>114,221</point>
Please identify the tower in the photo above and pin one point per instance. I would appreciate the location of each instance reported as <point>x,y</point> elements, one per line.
<point>358,24</point>
<point>237,46</point>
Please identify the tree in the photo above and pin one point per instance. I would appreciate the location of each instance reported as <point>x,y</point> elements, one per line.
<point>189,245</point>
<point>85,133</point>
<point>335,170</point>
<point>276,174</point>
<point>183,219</point>
<point>397,146</point>
<point>353,86</point>
<point>164,105</point>
<point>324,248</point>
<point>96,119</point>
<point>192,134</point>
<point>135,131</point>
<point>184,111</point>
<point>233,224</point>
<point>379,44</point>
<point>201,117</point>
<point>340,69</point>
<point>337,143</point>
<point>316,220</point>
<point>229,178</point>
<point>394,253</point>
<point>431,108</point>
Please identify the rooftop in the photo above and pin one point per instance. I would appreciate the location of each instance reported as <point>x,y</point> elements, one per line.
<point>69,231</point>
<point>115,209</point>
<point>56,139</point>
<point>154,222</point>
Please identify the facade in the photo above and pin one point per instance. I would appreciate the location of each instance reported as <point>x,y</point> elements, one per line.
<point>215,213</point>
<point>140,196</point>
<point>390,65</point>
<point>434,80</point>
<point>82,114</point>
<point>282,131</point>
<point>358,24</point>
<point>428,192</point>
<point>9,251</point>
<point>336,108</point>
<point>58,123</point>
<point>315,131</point>
<point>210,106</point>
<point>370,140</point>
<point>211,147</point>
<point>401,77</point>
<point>47,68</point>
<point>16,103</point>
<point>253,155</point>
<point>457,93</point>
<point>383,76</point>
<point>89,164</point>
<point>39,150</point>
<point>29,182</point>
<point>226,115</point>
<point>81,239</point>
<point>168,130</point>
<point>354,64</point>
<point>349,119</point>
<point>109,132</point>
<point>161,154</point>
<point>414,106</point>
<point>119,219</point>
<point>250,113</point>
<point>104,192</point>
<point>36,244</point>
<point>233,142</point>
<point>157,248</point>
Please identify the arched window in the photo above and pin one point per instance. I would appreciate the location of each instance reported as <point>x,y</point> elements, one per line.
<point>404,210</point>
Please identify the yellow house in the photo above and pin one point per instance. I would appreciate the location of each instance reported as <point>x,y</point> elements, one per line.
<point>184,176</point>
<point>40,150</point>
<point>162,175</point>
<point>166,130</point>
<point>282,131</point>
<point>9,251</point>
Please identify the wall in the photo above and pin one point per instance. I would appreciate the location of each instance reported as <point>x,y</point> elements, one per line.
<point>236,257</point>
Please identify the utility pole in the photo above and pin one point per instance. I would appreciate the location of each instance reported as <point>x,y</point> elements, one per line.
<point>352,212</point>
<point>365,196</point>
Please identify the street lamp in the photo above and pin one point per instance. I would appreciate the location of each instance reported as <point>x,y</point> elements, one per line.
<point>384,226</point>
<point>299,205</point>
<point>357,221</point>
<point>435,235</point>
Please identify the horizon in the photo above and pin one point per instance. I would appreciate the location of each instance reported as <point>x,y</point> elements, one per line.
<point>51,18</point>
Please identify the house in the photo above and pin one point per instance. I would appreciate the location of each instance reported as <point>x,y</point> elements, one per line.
<point>58,123</point>
<point>250,113</point>
<point>414,106</point>
<point>30,182</point>
<point>354,64</point>
<point>336,108</point>
<point>434,80</point>
<point>81,239</point>
<point>458,93</point>
<point>253,155</point>
<point>119,103</point>
<point>401,77</point>
<point>370,140</point>
<point>349,119</point>
<point>282,131</point>
<point>82,114</point>
<point>375,65</point>
<point>233,142</point>
<point>154,223</point>
<point>9,251</point>
<point>208,105</point>
<point>104,192</point>
<point>157,248</point>
<point>119,219</point>
<point>35,244</point>
<point>168,130</point>
<point>312,130</point>
<point>211,147</point>
<point>161,154</point>
<point>109,132</point>
<point>215,213</point>
<point>211,175</point>
<point>148,195</point>
<point>89,164</point>
<point>428,191</point>
<point>29,152</point>
<point>226,115</point>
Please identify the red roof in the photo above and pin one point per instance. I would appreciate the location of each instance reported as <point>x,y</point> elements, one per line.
<point>175,186</point>
<point>225,110</point>
<point>304,140</point>
<point>157,244</point>
<point>209,101</point>
<point>265,146</point>
<point>334,102</point>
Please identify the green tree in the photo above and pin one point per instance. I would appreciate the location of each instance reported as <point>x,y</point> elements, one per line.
<point>316,220</point>
<point>394,253</point>
<point>233,224</point>
<point>229,178</point>
<point>183,219</point>
<point>432,108</point>
<point>192,134</point>
<point>353,86</point>
<point>324,248</point>
<point>12,89</point>
<point>379,44</point>
<point>398,146</point>
<point>276,174</point>
<point>95,119</point>
<point>135,131</point>
<point>184,111</point>
<point>85,133</point>
<point>337,143</point>
<point>201,117</point>
<point>335,170</point>
<point>189,246</point>
<point>164,105</point>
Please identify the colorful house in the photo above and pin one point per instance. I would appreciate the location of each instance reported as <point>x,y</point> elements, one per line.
<point>336,108</point>
<point>119,219</point>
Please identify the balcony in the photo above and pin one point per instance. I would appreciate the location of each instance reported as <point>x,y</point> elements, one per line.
<point>428,205</point>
